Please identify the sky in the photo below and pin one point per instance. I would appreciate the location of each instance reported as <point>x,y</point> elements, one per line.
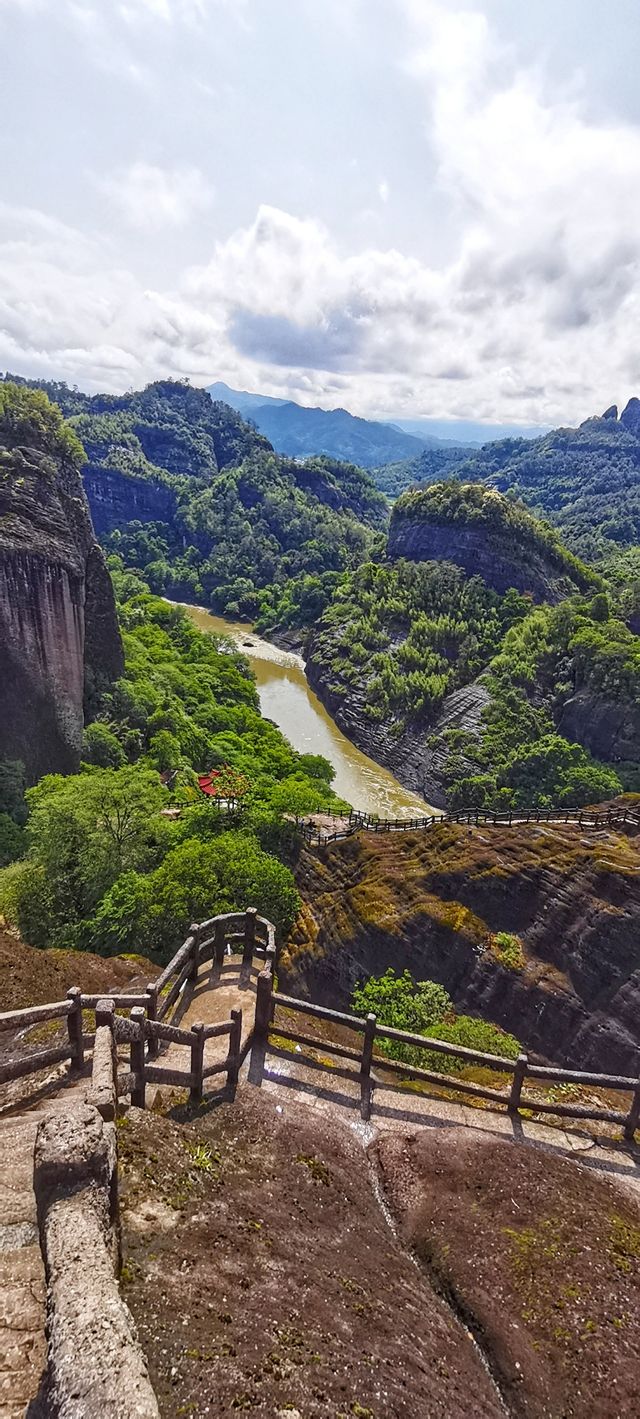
<point>409,208</point>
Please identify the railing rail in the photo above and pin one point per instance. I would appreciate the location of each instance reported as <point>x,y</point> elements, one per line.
<point>208,940</point>
<point>356,822</point>
<point>269,1001</point>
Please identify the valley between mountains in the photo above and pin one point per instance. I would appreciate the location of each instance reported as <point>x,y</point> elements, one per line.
<point>302,1261</point>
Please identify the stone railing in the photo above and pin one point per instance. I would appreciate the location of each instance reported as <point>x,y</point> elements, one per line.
<point>95,1365</point>
<point>94,1362</point>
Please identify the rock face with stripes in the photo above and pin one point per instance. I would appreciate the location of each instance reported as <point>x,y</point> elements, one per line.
<point>58,627</point>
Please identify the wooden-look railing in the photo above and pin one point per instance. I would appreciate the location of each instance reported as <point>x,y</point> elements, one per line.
<point>244,931</point>
<point>355,822</point>
<point>145,1029</point>
<point>269,1001</point>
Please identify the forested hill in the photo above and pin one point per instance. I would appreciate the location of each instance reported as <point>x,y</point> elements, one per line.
<point>439,665</point>
<point>585,480</point>
<point>195,497</point>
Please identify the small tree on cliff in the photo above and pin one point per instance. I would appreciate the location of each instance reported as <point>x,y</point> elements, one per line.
<point>28,417</point>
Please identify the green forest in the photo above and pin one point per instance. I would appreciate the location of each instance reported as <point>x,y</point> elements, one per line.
<point>97,864</point>
<point>249,533</point>
<point>586,481</point>
<point>302,546</point>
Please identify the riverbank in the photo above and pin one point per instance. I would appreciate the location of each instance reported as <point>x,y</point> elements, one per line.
<point>287,698</point>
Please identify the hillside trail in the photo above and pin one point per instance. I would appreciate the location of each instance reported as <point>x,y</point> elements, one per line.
<point>316,1086</point>
<point>322,1092</point>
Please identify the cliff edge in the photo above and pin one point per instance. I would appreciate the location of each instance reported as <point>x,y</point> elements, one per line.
<point>58,626</point>
<point>487,535</point>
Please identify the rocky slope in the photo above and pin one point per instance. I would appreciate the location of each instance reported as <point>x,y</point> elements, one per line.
<point>58,626</point>
<point>417,755</point>
<point>434,901</point>
<point>486,535</point>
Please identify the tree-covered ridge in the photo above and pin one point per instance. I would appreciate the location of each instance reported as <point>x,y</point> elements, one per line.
<point>170,426</point>
<point>585,480</point>
<point>104,868</point>
<point>28,419</point>
<point>404,634</point>
<point>457,504</point>
<point>245,523</point>
<point>237,542</point>
<point>575,654</point>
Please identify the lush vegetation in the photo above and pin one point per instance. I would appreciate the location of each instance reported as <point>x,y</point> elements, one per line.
<point>399,637</point>
<point>402,635</point>
<point>104,867</point>
<point>519,757</point>
<point>458,504</point>
<point>585,480</point>
<point>28,418</point>
<point>249,533</point>
<point>426,1008</point>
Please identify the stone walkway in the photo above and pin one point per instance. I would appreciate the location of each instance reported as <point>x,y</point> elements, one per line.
<point>296,1080</point>
<point>292,1079</point>
<point>22,1280</point>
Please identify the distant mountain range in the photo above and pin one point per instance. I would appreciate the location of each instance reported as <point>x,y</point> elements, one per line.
<point>300,432</point>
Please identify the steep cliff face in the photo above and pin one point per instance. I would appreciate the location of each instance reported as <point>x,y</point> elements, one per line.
<point>58,622</point>
<point>480,551</point>
<point>609,729</point>
<point>116,499</point>
<point>433,902</point>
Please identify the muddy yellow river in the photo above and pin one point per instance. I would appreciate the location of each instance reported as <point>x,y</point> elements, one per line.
<point>286,698</point>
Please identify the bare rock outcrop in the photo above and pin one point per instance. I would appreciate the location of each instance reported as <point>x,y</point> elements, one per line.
<point>433,901</point>
<point>480,551</point>
<point>58,624</point>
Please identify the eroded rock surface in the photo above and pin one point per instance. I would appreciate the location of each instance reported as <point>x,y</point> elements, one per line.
<point>58,625</point>
<point>433,902</point>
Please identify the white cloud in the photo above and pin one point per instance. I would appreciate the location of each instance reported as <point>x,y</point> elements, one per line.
<point>532,314</point>
<point>147,196</point>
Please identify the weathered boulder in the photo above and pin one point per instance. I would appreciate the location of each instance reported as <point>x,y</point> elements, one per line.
<point>58,623</point>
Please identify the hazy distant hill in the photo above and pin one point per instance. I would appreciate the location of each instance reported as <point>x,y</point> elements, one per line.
<point>302,433</point>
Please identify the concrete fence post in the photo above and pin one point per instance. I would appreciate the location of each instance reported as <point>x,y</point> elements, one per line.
<point>197,1062</point>
<point>103,1094</point>
<point>632,1121</point>
<point>74,1027</point>
<point>520,1070</point>
<point>249,937</point>
<point>365,1067</point>
<point>194,930</point>
<point>264,993</point>
<point>137,1058</point>
<point>235,1045</point>
<point>152,1014</point>
<point>219,941</point>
